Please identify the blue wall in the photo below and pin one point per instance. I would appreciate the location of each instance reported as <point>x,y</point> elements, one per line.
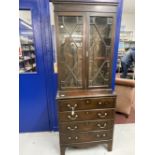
<point>49,59</point>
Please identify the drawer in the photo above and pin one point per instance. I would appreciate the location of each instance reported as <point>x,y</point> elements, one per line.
<point>86,115</point>
<point>84,104</point>
<point>86,126</point>
<point>85,137</point>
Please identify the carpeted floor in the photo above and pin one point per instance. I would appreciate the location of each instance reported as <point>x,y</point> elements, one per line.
<point>121,119</point>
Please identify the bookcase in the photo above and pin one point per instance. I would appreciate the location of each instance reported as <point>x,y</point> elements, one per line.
<point>85,32</point>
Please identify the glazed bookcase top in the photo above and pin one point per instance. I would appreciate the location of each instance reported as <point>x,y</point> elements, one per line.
<point>85,43</point>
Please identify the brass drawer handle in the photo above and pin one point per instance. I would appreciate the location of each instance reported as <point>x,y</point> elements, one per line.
<point>72,107</point>
<point>99,136</point>
<point>102,127</point>
<point>76,138</point>
<point>74,117</point>
<point>72,129</point>
<point>102,115</point>
<point>100,102</point>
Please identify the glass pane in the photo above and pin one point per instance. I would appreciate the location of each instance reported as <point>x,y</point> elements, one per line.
<point>99,50</point>
<point>27,58</point>
<point>70,51</point>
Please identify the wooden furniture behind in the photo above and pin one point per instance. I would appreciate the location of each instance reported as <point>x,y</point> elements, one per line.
<point>85,44</point>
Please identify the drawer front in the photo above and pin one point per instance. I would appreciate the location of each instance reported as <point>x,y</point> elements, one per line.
<point>86,126</point>
<point>86,115</point>
<point>84,104</point>
<point>85,137</point>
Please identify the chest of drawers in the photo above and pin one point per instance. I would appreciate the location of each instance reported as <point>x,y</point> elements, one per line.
<point>86,120</point>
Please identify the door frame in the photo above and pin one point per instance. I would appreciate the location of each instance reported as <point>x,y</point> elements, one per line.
<point>116,40</point>
<point>51,81</point>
